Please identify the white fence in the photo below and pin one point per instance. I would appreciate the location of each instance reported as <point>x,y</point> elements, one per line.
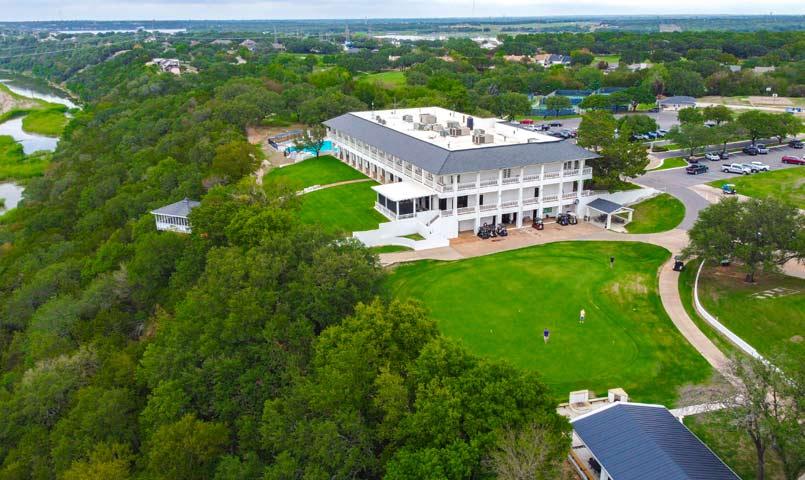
<point>426,224</point>
<point>738,341</point>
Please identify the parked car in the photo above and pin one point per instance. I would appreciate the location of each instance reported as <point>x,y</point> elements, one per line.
<point>652,135</point>
<point>555,124</point>
<point>724,155</point>
<point>662,132</point>
<point>736,168</point>
<point>692,160</point>
<point>752,168</point>
<point>712,156</point>
<point>751,150</point>
<point>544,127</point>
<point>759,166</point>
<point>796,144</point>
<point>793,160</point>
<point>696,169</point>
<point>761,149</point>
<point>565,133</point>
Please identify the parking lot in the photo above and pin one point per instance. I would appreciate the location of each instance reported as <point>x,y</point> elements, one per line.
<point>676,181</point>
<point>665,119</point>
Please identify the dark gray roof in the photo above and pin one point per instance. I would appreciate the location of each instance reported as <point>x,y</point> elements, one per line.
<point>440,161</point>
<point>179,209</point>
<point>678,100</point>
<point>646,442</point>
<point>605,205</point>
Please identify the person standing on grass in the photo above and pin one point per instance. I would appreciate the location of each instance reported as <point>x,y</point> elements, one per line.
<point>582,314</point>
<point>545,334</point>
<point>611,262</point>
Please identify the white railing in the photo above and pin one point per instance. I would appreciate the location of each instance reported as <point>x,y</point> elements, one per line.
<point>489,183</point>
<point>530,201</point>
<point>440,187</point>
<point>405,215</point>
<point>447,213</point>
<point>385,211</point>
<point>587,193</point>
<point>550,198</point>
<point>466,210</point>
<point>510,180</point>
<point>486,208</point>
<point>571,173</point>
<point>509,204</point>
<point>531,178</point>
<point>466,186</point>
<point>566,196</point>
<point>587,171</point>
<point>552,175</point>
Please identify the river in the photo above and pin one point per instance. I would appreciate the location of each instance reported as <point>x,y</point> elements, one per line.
<point>32,88</point>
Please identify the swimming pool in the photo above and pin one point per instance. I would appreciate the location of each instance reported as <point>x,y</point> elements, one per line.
<point>327,147</point>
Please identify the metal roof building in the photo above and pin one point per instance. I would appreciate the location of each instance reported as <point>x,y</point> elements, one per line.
<point>442,161</point>
<point>633,441</point>
<point>173,217</point>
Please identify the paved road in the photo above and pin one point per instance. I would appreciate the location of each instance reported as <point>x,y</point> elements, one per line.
<point>677,182</point>
<point>666,120</point>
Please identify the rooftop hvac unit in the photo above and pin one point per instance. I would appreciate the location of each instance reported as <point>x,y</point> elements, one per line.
<point>479,131</point>
<point>427,118</point>
<point>533,140</point>
<point>408,118</point>
<point>482,138</point>
<point>444,133</point>
<point>459,131</point>
<point>436,127</point>
<point>453,124</point>
<point>418,126</point>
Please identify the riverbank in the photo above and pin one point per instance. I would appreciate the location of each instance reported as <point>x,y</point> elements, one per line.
<point>40,117</point>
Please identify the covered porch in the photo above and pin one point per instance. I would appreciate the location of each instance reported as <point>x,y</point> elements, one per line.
<point>401,200</point>
<point>605,210</point>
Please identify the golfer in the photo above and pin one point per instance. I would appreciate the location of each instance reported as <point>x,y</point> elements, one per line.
<point>582,314</point>
<point>545,335</point>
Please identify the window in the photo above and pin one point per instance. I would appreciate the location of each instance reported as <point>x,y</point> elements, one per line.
<point>507,173</point>
<point>442,204</point>
<point>480,199</point>
<point>536,192</point>
<point>568,166</point>
<point>461,201</point>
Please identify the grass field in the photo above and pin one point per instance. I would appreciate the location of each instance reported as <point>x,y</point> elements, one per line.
<point>769,322</point>
<point>387,79</point>
<point>316,171</point>
<point>787,185</point>
<point>498,305</point>
<point>673,162</point>
<point>733,446</point>
<point>606,58</point>
<point>658,214</point>
<point>15,164</point>
<point>390,249</point>
<point>343,209</point>
<point>45,122</point>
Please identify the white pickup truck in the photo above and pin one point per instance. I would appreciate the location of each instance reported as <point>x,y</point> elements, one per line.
<point>736,168</point>
<point>758,166</point>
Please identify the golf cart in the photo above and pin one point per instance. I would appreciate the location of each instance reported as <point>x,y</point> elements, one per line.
<point>728,189</point>
<point>538,224</point>
<point>678,264</point>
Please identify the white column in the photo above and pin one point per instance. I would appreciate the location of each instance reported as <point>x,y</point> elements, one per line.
<point>609,220</point>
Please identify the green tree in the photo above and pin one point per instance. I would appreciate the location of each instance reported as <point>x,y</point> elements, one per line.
<point>620,159</point>
<point>758,124</point>
<point>692,136</point>
<point>760,234</point>
<point>596,102</point>
<point>106,461</point>
<point>685,82</point>
<point>529,453</point>
<point>784,125</point>
<point>717,113</point>
<point>636,125</point>
<point>596,130</point>
<point>313,139</point>
<point>236,159</point>
<point>556,103</point>
<point>690,115</point>
<point>187,449</point>
<point>581,57</point>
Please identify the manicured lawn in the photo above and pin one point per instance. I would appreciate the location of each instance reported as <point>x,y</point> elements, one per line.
<point>414,236</point>
<point>606,58</point>
<point>769,314</point>
<point>673,162</point>
<point>786,185</point>
<point>316,171</point>
<point>498,306</point>
<point>15,164</point>
<point>389,249</point>
<point>732,445</point>
<point>45,122</point>
<point>657,214</point>
<point>343,209</point>
<point>387,79</point>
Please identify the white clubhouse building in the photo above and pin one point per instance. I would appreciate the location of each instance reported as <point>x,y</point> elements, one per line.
<point>452,172</point>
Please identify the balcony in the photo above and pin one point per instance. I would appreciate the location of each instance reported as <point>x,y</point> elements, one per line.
<point>487,208</point>
<point>466,186</point>
<point>509,204</point>
<point>489,183</point>
<point>550,198</point>
<point>587,171</point>
<point>531,178</point>
<point>550,175</point>
<point>530,201</point>
<point>447,213</point>
<point>570,195</point>
<point>510,180</point>
<point>466,210</point>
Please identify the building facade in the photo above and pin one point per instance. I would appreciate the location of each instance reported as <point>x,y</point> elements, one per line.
<point>456,173</point>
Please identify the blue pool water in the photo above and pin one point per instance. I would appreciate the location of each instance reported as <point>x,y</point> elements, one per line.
<point>328,147</point>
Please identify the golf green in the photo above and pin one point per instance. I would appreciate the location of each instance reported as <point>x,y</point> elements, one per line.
<point>498,306</point>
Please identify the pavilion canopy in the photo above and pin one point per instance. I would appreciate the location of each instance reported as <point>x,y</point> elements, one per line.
<point>400,191</point>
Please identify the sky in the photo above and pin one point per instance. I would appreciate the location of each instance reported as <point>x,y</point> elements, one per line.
<point>23,10</point>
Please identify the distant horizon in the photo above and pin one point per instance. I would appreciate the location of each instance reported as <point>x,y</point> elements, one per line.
<point>329,10</point>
